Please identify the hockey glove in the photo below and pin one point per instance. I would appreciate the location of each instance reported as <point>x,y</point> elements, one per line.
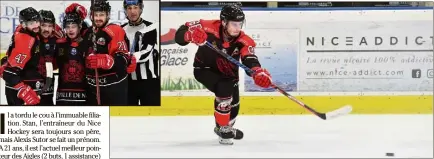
<point>132,65</point>
<point>197,36</point>
<point>261,77</point>
<point>27,94</point>
<point>103,61</point>
<point>58,33</point>
<point>77,8</point>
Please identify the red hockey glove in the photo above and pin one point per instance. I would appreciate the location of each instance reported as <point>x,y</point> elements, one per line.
<point>261,77</point>
<point>27,94</point>
<point>197,36</point>
<point>103,61</point>
<point>79,9</point>
<point>133,64</point>
<point>58,33</point>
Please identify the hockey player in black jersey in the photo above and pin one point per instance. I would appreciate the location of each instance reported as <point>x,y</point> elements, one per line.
<point>70,59</point>
<point>109,60</point>
<point>47,46</point>
<point>144,82</point>
<point>215,72</point>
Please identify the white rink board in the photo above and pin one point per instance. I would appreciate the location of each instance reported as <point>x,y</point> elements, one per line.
<point>292,136</point>
<point>412,29</point>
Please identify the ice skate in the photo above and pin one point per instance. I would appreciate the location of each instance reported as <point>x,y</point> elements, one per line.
<point>226,134</point>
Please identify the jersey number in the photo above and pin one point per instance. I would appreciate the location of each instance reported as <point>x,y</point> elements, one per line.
<point>194,24</point>
<point>20,58</point>
<point>122,46</point>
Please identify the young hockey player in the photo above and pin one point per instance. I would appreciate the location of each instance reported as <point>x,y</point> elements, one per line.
<point>109,59</point>
<point>21,74</point>
<point>82,12</point>
<point>70,59</point>
<point>144,82</point>
<point>218,74</point>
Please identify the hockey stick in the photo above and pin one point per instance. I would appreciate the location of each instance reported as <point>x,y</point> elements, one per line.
<point>98,97</point>
<point>325,116</point>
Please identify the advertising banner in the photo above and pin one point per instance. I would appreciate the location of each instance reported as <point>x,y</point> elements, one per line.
<point>177,63</point>
<point>367,56</point>
<point>277,51</point>
<point>330,51</point>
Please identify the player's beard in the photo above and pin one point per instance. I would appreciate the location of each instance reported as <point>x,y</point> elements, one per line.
<point>32,26</point>
<point>99,23</point>
<point>45,33</point>
<point>35,29</point>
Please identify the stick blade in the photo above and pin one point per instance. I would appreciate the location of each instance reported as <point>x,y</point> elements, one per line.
<point>339,112</point>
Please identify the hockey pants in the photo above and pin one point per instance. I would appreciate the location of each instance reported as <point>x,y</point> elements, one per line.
<point>221,87</point>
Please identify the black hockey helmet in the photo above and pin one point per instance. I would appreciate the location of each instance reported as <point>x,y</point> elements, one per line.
<point>72,18</point>
<point>29,14</point>
<point>47,16</point>
<point>100,5</point>
<point>232,12</point>
<point>133,2</point>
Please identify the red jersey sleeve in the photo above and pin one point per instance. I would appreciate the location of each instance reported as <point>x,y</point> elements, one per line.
<point>118,42</point>
<point>21,54</point>
<point>209,26</point>
<point>248,46</point>
<point>247,51</point>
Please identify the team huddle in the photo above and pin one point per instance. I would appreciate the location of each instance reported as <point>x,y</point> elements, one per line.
<point>95,63</point>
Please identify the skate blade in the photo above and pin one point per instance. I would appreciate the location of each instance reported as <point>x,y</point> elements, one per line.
<point>226,141</point>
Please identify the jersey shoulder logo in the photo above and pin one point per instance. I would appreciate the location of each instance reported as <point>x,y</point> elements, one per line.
<point>236,51</point>
<point>251,50</point>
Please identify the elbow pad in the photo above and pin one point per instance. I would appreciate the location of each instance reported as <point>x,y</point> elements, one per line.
<point>179,36</point>
<point>251,61</point>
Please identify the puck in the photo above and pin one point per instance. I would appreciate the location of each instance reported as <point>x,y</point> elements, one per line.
<point>390,154</point>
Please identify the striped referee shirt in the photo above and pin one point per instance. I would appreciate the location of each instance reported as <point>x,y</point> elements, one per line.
<point>144,40</point>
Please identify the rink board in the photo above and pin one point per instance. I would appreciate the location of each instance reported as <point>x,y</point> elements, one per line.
<point>280,105</point>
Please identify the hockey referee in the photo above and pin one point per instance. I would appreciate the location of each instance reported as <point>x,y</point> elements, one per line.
<point>144,84</point>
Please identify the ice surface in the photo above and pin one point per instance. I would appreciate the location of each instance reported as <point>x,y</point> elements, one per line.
<point>274,136</point>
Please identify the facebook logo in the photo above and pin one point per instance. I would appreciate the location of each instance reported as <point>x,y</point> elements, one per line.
<point>416,73</point>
